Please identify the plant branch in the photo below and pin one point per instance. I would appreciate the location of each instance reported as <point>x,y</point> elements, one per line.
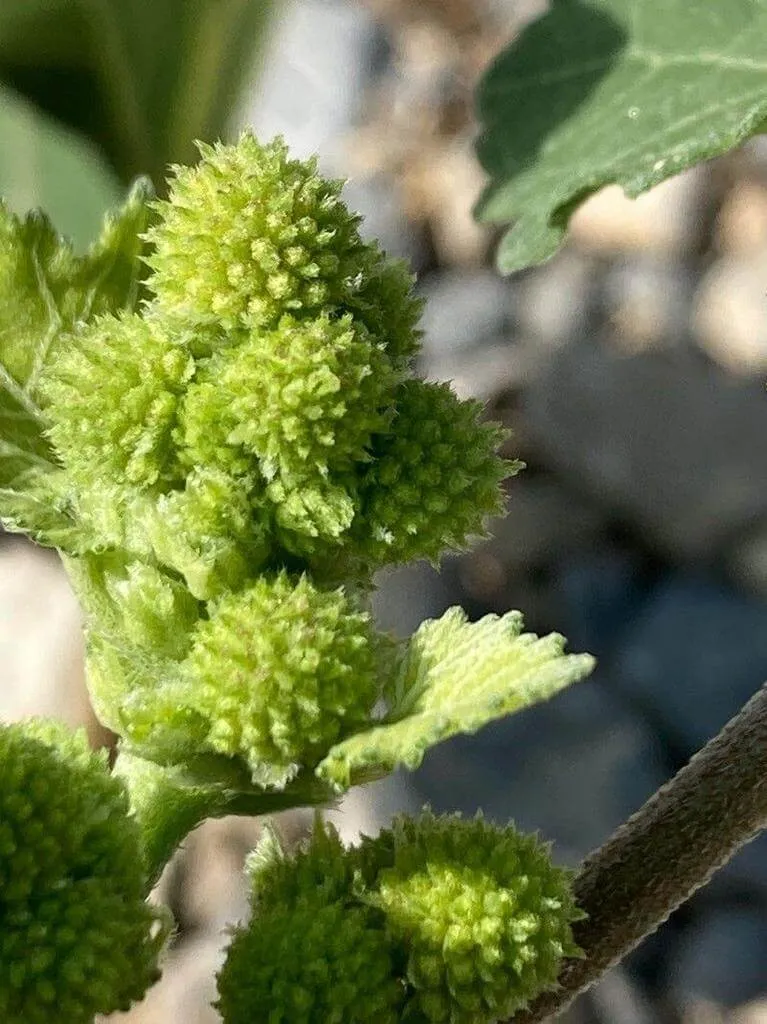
<point>667,850</point>
<point>168,803</point>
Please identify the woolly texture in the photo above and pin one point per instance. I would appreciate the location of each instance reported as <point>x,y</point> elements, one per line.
<point>482,914</point>
<point>280,671</point>
<point>115,389</point>
<point>214,532</point>
<point>433,479</point>
<point>77,936</point>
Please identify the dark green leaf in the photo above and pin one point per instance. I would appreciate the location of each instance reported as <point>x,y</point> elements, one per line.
<point>142,78</point>
<point>613,91</point>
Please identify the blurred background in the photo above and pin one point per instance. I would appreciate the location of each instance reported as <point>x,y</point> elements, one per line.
<point>631,370</point>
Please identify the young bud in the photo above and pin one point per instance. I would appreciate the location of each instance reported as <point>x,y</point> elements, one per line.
<point>280,670</point>
<point>77,935</point>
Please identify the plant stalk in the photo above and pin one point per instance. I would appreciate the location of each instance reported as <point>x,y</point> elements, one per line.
<point>664,852</point>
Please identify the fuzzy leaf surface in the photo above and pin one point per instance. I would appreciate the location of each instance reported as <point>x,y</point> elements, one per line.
<point>613,91</point>
<point>45,291</point>
<point>455,677</point>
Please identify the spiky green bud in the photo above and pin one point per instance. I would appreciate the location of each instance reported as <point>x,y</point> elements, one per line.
<point>250,234</point>
<point>280,670</point>
<point>313,951</point>
<point>475,921</point>
<point>483,915</point>
<point>316,963</point>
<point>433,479</point>
<point>115,389</point>
<point>77,936</point>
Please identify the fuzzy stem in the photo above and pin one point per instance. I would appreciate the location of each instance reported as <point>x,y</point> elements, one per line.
<point>666,851</point>
<point>168,804</point>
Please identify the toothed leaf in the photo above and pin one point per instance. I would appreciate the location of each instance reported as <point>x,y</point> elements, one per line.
<point>456,677</point>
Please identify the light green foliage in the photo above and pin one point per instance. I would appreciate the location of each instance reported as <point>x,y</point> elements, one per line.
<point>613,91</point>
<point>229,463</point>
<point>42,165</point>
<point>45,290</point>
<point>77,936</point>
<point>234,458</point>
<point>454,921</point>
<point>457,676</point>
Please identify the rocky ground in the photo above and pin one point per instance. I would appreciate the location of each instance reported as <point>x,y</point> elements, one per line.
<point>631,369</point>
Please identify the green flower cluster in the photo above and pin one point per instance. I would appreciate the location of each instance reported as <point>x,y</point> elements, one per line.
<point>77,937</point>
<point>437,921</point>
<point>247,441</point>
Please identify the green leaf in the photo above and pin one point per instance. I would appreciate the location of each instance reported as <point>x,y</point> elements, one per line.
<point>613,91</point>
<point>44,165</point>
<point>45,291</point>
<point>141,78</point>
<point>456,677</point>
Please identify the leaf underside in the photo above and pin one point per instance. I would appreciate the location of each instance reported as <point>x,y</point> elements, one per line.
<point>626,92</point>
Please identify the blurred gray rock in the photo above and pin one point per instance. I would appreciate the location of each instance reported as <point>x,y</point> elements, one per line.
<point>692,657</point>
<point>647,301</point>
<point>723,959</point>
<point>668,441</point>
<point>406,596</point>
<point>730,315</point>
<point>553,304</point>
<point>463,308</point>
<point>664,221</point>
<point>311,87</point>
<point>575,768</point>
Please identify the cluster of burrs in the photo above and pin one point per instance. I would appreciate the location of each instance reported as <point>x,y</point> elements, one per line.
<point>224,465</point>
<point>248,440</point>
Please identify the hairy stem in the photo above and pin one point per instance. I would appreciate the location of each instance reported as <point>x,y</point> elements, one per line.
<point>169,802</point>
<point>666,851</point>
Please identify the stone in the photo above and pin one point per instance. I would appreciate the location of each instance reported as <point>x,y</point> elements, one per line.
<point>670,443</point>
<point>730,314</point>
<point>664,221</point>
<point>741,226</point>
<point>464,307</point>
<point>574,767</point>
<point>555,303</point>
<point>722,959</point>
<point>646,301</point>
<point>41,640</point>
<point>310,87</point>
<point>693,656</point>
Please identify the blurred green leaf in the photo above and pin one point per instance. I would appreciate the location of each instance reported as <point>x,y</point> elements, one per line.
<point>142,78</point>
<point>44,165</point>
<point>613,91</point>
